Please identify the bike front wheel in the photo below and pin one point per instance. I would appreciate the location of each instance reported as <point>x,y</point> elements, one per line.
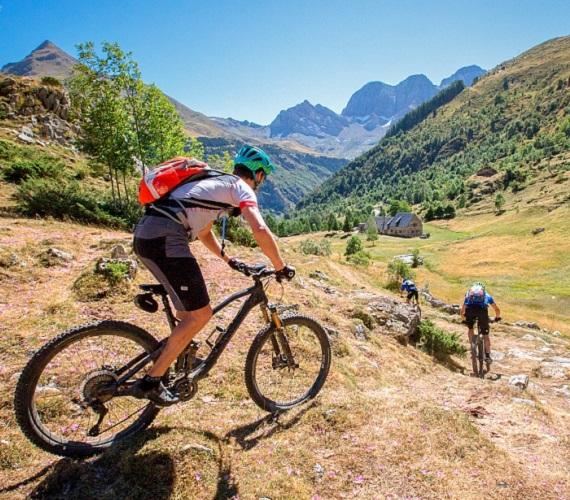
<point>58,401</point>
<point>288,366</point>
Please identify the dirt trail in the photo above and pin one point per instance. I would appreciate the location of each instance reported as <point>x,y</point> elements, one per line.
<point>390,423</point>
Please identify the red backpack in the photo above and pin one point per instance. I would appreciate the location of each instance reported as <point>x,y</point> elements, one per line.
<point>165,177</point>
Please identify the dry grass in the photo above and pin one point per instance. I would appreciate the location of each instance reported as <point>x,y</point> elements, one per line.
<point>389,423</point>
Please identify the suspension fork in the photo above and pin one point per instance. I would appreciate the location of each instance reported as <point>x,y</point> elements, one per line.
<point>278,340</point>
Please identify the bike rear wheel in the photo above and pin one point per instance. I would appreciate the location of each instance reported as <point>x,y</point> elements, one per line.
<point>481,357</point>
<point>277,380</point>
<point>58,400</point>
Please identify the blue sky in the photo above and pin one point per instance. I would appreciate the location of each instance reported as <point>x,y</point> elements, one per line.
<point>250,59</point>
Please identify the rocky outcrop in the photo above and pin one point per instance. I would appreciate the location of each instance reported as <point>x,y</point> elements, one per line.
<point>440,304</point>
<point>42,109</point>
<point>385,315</point>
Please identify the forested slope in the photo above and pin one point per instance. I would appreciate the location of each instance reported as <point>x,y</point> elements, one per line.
<point>515,119</point>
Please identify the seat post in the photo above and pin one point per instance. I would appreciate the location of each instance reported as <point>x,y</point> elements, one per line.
<point>168,310</point>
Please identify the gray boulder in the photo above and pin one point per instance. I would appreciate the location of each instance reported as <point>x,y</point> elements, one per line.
<point>519,381</point>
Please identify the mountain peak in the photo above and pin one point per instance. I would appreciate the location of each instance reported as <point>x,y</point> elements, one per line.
<point>46,44</point>
<point>467,74</point>
<point>47,59</point>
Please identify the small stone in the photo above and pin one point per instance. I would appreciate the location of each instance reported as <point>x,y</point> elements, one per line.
<point>119,252</point>
<point>319,469</point>
<point>556,333</point>
<point>519,381</point>
<point>528,336</point>
<point>197,447</point>
<point>332,333</point>
<point>59,254</point>
<point>497,355</point>
<point>522,401</point>
<point>318,275</point>
<point>551,370</point>
<point>360,332</point>
<point>563,390</point>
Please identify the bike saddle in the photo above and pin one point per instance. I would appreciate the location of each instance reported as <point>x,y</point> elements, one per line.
<point>153,288</point>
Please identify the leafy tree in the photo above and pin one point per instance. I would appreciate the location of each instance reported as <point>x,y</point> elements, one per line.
<point>371,229</point>
<point>399,206</point>
<point>353,246</point>
<point>348,222</point>
<point>122,120</point>
<point>332,223</point>
<point>499,202</point>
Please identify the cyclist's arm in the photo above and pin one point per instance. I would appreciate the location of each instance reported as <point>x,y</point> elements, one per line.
<point>263,236</point>
<point>496,309</point>
<point>208,238</point>
<point>462,313</point>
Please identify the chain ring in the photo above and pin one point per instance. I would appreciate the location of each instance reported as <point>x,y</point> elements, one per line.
<point>185,388</point>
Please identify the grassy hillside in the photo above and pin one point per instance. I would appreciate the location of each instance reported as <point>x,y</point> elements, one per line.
<point>515,119</point>
<point>390,421</point>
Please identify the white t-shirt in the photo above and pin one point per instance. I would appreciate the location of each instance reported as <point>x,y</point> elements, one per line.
<point>228,189</point>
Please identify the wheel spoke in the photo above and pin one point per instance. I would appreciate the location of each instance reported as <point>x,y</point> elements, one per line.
<point>67,398</point>
<point>278,382</point>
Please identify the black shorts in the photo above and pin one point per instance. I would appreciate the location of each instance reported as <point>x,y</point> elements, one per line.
<point>479,314</point>
<point>413,294</point>
<point>179,273</point>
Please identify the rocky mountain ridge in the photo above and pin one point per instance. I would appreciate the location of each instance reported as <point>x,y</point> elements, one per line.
<point>305,128</point>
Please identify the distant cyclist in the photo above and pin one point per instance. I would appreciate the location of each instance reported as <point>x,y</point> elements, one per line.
<point>476,308</point>
<point>409,286</point>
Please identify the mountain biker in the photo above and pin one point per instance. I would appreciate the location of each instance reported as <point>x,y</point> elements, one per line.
<point>409,286</point>
<point>161,242</point>
<point>475,308</point>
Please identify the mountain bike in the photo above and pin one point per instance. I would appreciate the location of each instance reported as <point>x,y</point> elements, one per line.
<point>72,398</point>
<point>480,365</point>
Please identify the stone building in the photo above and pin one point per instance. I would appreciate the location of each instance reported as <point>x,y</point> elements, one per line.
<point>403,224</point>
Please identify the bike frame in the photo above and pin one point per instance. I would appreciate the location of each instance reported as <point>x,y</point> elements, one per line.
<point>256,296</point>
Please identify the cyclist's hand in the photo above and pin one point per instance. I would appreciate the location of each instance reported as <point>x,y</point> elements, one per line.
<point>288,273</point>
<point>237,265</point>
<point>497,319</point>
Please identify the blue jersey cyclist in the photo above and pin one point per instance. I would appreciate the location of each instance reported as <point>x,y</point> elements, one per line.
<point>410,287</point>
<point>476,308</point>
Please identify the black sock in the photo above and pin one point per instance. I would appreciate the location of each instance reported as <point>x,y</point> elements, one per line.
<point>149,382</point>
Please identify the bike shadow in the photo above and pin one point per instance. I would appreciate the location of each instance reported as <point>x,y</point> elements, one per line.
<point>247,435</point>
<point>123,472</point>
<point>148,475</point>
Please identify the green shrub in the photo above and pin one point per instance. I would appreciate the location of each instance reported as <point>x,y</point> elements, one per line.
<point>8,150</point>
<point>354,245</point>
<point>312,247</point>
<point>416,259</point>
<point>51,80</point>
<point>116,272</point>
<point>21,170</point>
<point>360,258</point>
<point>439,343</point>
<point>3,113</point>
<point>369,321</point>
<point>398,271</point>
<point>70,200</point>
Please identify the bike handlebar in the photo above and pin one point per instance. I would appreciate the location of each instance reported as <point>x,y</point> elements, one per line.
<point>256,270</point>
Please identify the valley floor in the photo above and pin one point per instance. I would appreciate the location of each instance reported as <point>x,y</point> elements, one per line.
<point>390,422</point>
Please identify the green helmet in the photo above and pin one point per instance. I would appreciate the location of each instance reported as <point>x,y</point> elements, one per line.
<point>254,159</point>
